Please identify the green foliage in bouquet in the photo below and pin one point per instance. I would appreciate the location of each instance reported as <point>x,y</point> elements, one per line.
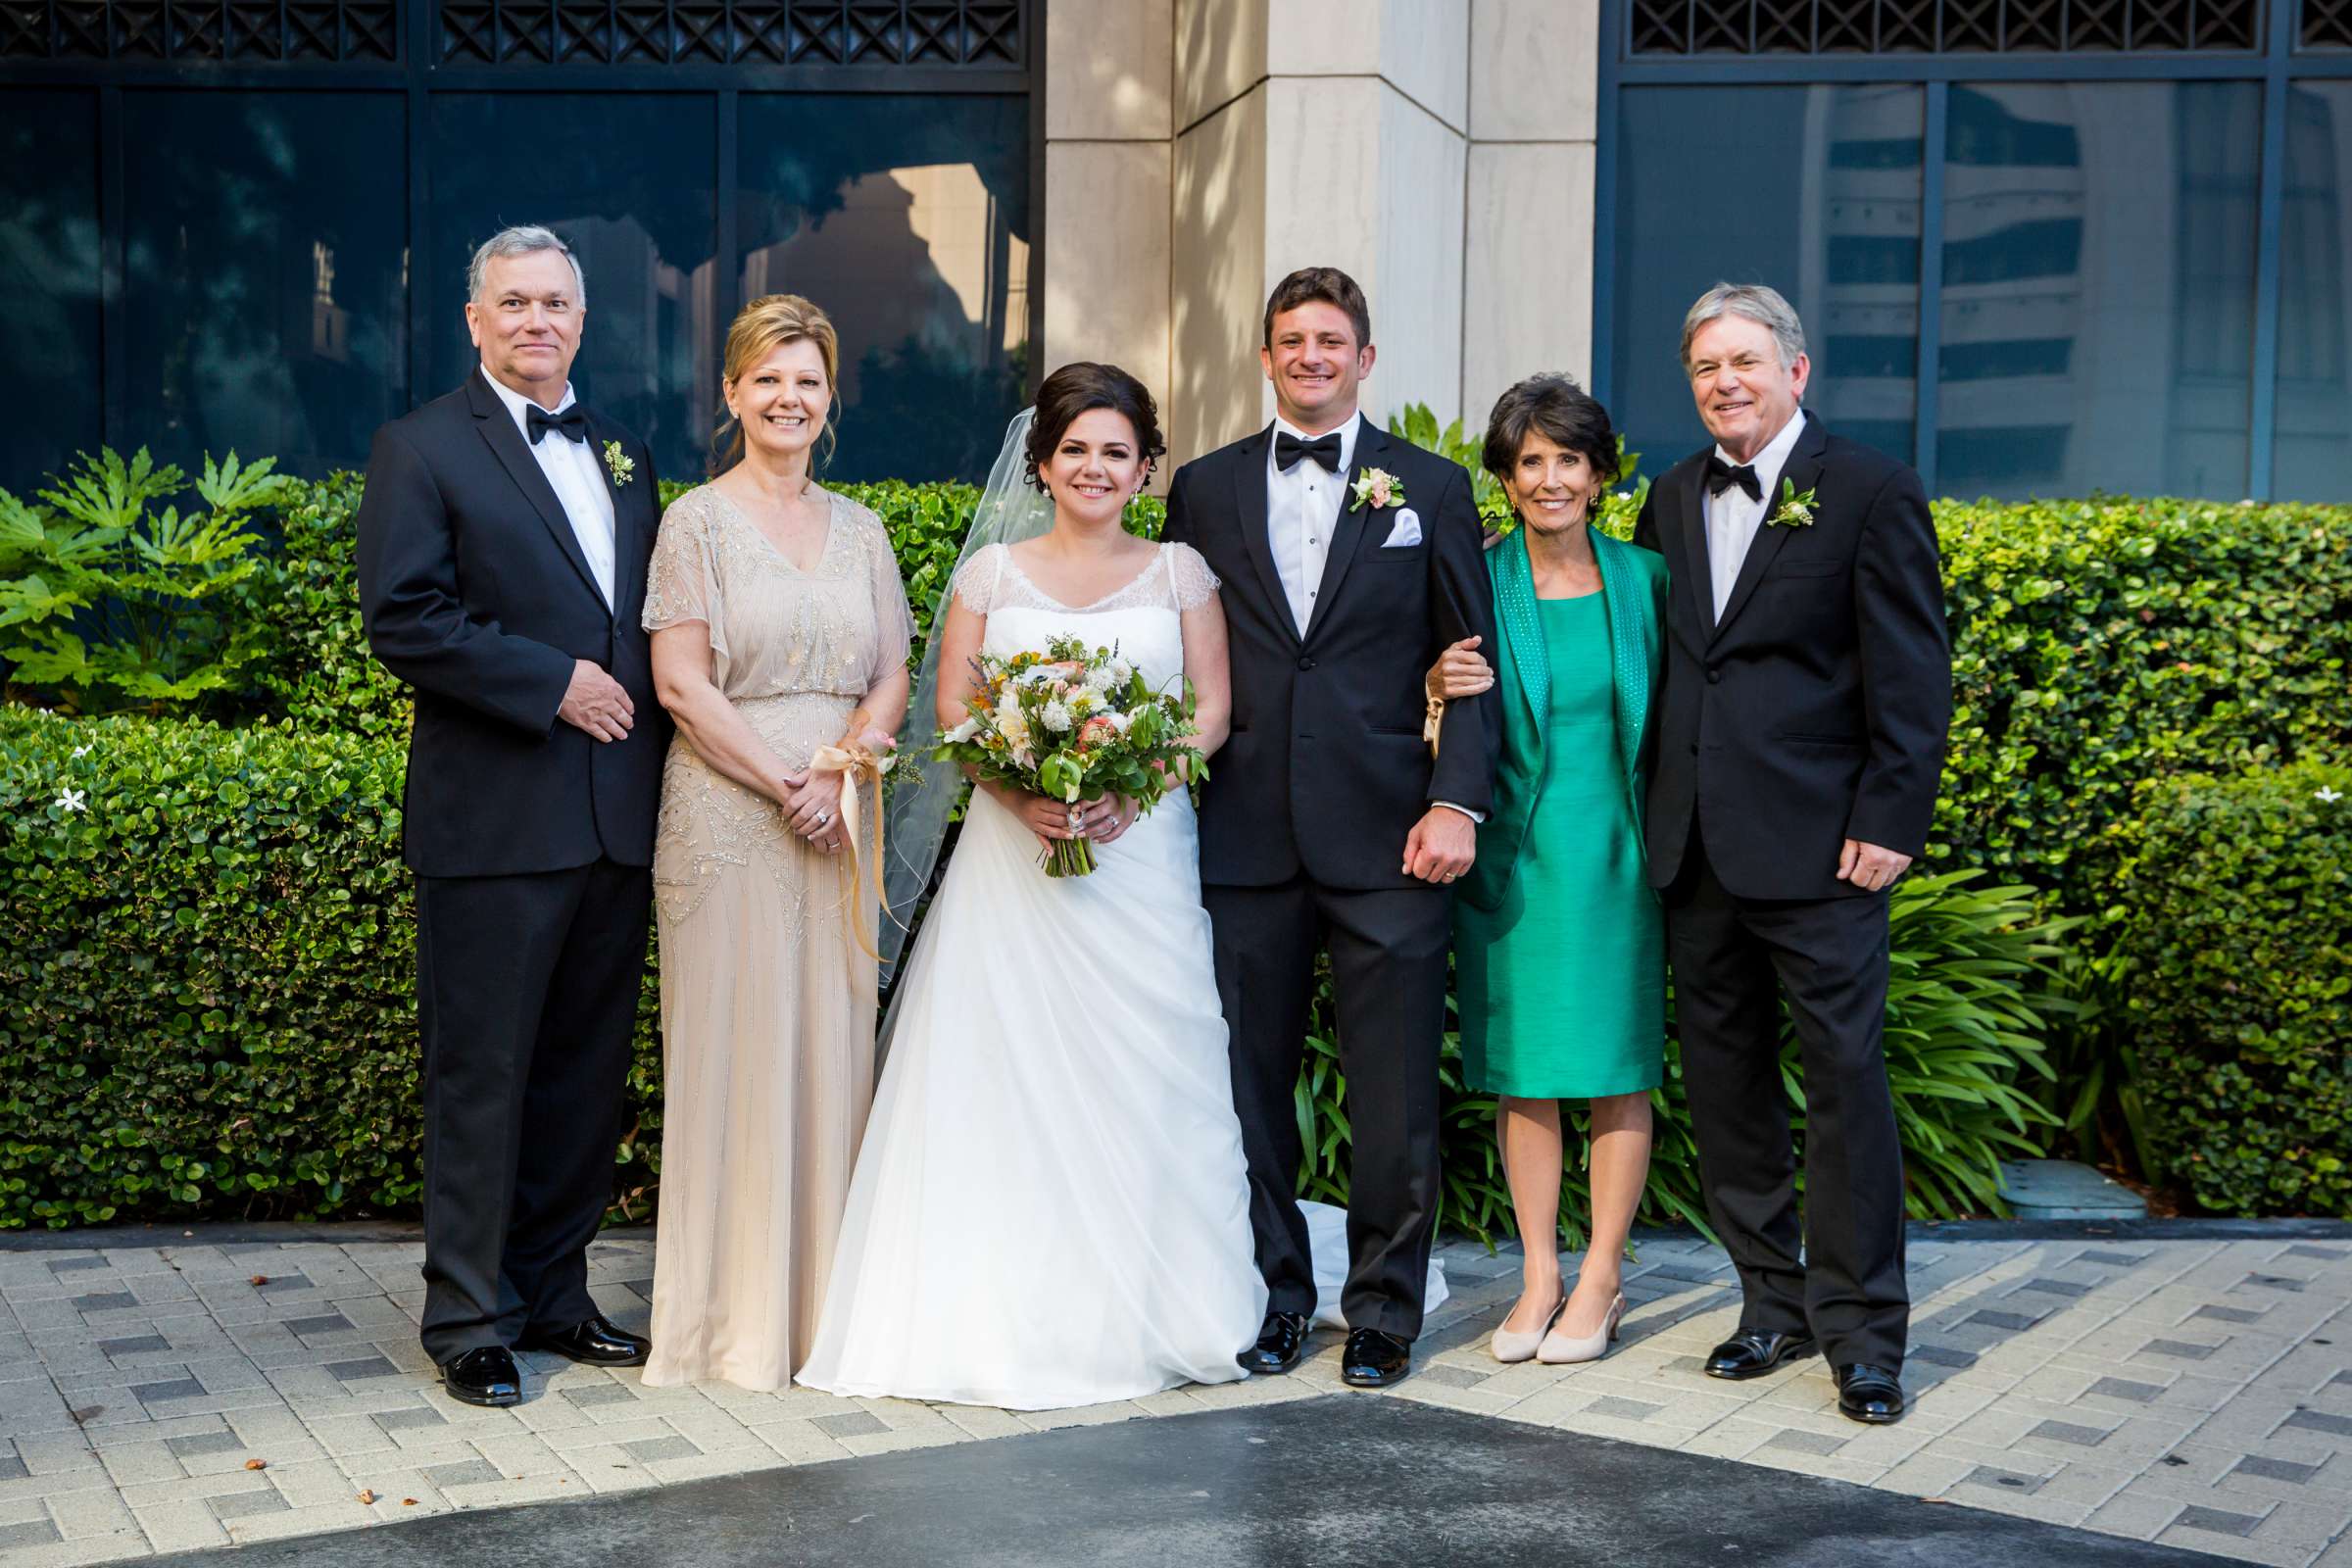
<point>2237,976</point>
<point>108,600</point>
<point>1972,997</point>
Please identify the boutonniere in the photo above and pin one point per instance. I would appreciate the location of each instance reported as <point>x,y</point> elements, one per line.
<point>1377,488</point>
<point>620,464</point>
<point>1795,509</point>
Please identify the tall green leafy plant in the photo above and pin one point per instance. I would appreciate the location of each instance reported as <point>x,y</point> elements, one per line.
<point>109,600</point>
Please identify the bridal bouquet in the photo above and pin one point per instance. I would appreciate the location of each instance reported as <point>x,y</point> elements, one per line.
<point>1074,724</point>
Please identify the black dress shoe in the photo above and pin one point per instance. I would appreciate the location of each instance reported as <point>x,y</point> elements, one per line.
<point>595,1341</point>
<point>1280,1344</point>
<point>1374,1360</point>
<point>1868,1394</point>
<point>1753,1352</point>
<point>486,1376</point>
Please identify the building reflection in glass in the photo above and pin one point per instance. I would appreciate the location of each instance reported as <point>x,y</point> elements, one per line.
<point>2313,461</point>
<point>1827,211</point>
<point>2099,288</point>
<point>49,355</point>
<point>906,220</point>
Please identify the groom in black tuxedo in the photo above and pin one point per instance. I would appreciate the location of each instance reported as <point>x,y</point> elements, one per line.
<point>1799,739</point>
<point>1350,562</point>
<point>504,536</point>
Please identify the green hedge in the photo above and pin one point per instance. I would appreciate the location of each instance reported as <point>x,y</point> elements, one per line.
<point>2237,959</point>
<point>257,1051</point>
<point>208,945</point>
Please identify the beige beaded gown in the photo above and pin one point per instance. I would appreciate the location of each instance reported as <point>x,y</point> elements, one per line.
<point>767,993</point>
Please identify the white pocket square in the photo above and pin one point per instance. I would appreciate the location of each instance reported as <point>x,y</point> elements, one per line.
<point>1407,531</point>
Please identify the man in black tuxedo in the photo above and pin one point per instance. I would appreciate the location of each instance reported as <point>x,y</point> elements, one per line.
<point>503,535</point>
<point>1800,738</point>
<point>1324,822</point>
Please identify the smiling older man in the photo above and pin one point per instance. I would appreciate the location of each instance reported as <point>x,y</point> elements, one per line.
<point>1799,735</point>
<point>503,537</point>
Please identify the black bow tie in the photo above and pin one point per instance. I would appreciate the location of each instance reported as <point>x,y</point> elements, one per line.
<point>1288,449</point>
<point>572,423</point>
<point>1721,477</point>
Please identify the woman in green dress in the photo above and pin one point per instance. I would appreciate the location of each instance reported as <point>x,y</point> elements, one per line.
<point>1559,944</point>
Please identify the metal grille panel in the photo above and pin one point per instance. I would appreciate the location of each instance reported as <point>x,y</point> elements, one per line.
<point>2327,25</point>
<point>1687,28</point>
<point>237,32</point>
<point>780,32</point>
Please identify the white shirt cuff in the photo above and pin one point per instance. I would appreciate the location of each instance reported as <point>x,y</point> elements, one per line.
<point>1474,816</point>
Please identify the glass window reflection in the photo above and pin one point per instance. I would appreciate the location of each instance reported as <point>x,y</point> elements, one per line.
<point>2313,460</point>
<point>1827,211</point>
<point>627,180</point>
<point>264,266</point>
<point>2099,288</point>
<point>907,221</point>
<point>49,366</point>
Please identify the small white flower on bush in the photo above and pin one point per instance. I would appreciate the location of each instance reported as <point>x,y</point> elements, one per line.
<point>2330,793</point>
<point>72,801</point>
<point>1057,716</point>
<point>83,751</point>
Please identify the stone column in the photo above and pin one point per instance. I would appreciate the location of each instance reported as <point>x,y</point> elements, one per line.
<point>1107,201</point>
<point>1329,132</point>
<point>1527,288</point>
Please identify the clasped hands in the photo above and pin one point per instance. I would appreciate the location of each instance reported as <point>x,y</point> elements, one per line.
<point>1103,820</point>
<point>810,798</point>
<point>1460,672</point>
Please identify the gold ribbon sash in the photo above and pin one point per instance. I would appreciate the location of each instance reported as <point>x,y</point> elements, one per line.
<point>861,767</point>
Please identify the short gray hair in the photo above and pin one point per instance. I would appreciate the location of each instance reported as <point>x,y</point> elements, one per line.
<point>1757,302</point>
<point>523,239</point>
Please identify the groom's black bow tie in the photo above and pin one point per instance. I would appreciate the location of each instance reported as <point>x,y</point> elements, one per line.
<point>572,423</point>
<point>1721,477</point>
<point>1288,449</point>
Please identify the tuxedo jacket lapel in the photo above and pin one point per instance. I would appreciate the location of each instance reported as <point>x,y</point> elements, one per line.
<point>1688,500</point>
<point>1251,511</point>
<point>1347,533</point>
<point>631,541</point>
<point>1803,471</point>
<point>497,427</point>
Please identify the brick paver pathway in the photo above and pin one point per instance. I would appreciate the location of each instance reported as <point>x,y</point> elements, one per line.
<point>2196,1392</point>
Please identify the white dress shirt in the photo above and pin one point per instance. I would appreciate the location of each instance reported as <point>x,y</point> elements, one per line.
<point>1733,519</point>
<point>1303,506</point>
<point>575,471</point>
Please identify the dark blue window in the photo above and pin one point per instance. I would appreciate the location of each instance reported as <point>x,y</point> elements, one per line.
<point>50,375</point>
<point>2314,457</point>
<point>628,180</point>
<point>1826,208</point>
<point>264,302</point>
<point>907,221</point>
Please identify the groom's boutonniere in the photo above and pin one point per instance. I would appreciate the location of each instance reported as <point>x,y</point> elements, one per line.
<point>620,464</point>
<point>1377,488</point>
<point>1795,509</point>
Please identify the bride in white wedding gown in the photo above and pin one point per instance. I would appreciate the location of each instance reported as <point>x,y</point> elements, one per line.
<point>1049,1206</point>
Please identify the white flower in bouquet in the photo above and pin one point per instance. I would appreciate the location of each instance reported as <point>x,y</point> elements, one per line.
<point>1057,716</point>
<point>1119,722</point>
<point>1012,723</point>
<point>961,732</point>
<point>1118,672</point>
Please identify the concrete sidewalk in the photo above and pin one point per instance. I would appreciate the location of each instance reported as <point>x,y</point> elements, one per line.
<point>2191,1391</point>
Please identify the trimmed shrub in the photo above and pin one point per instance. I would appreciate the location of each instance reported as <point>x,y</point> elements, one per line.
<point>2237,959</point>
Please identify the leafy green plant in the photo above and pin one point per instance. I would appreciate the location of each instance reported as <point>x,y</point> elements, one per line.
<point>108,600</point>
<point>2236,971</point>
<point>1973,992</point>
<point>1618,507</point>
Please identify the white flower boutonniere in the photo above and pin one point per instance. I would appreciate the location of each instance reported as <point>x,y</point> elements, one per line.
<point>620,464</point>
<point>1795,509</point>
<point>1377,488</point>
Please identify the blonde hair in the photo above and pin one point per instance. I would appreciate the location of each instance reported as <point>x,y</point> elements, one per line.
<point>764,327</point>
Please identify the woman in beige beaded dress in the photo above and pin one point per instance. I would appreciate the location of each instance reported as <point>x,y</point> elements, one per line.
<point>780,636</point>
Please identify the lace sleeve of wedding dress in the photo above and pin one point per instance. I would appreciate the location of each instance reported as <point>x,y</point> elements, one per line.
<point>1189,575</point>
<point>975,581</point>
<point>681,581</point>
<point>1011,509</point>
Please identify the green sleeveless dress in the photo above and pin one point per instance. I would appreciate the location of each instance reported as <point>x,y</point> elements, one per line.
<point>1561,989</point>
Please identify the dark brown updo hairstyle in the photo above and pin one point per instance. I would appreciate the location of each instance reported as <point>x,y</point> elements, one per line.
<point>1553,406</point>
<point>1083,385</point>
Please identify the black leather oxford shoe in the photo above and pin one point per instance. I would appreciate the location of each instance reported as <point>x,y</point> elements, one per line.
<point>1375,1359</point>
<point>1280,1344</point>
<point>486,1376</point>
<point>1753,1352</point>
<point>1869,1395</point>
<point>595,1341</point>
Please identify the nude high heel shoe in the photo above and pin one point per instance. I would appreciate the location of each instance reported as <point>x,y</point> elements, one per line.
<point>1558,1350</point>
<point>1509,1347</point>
